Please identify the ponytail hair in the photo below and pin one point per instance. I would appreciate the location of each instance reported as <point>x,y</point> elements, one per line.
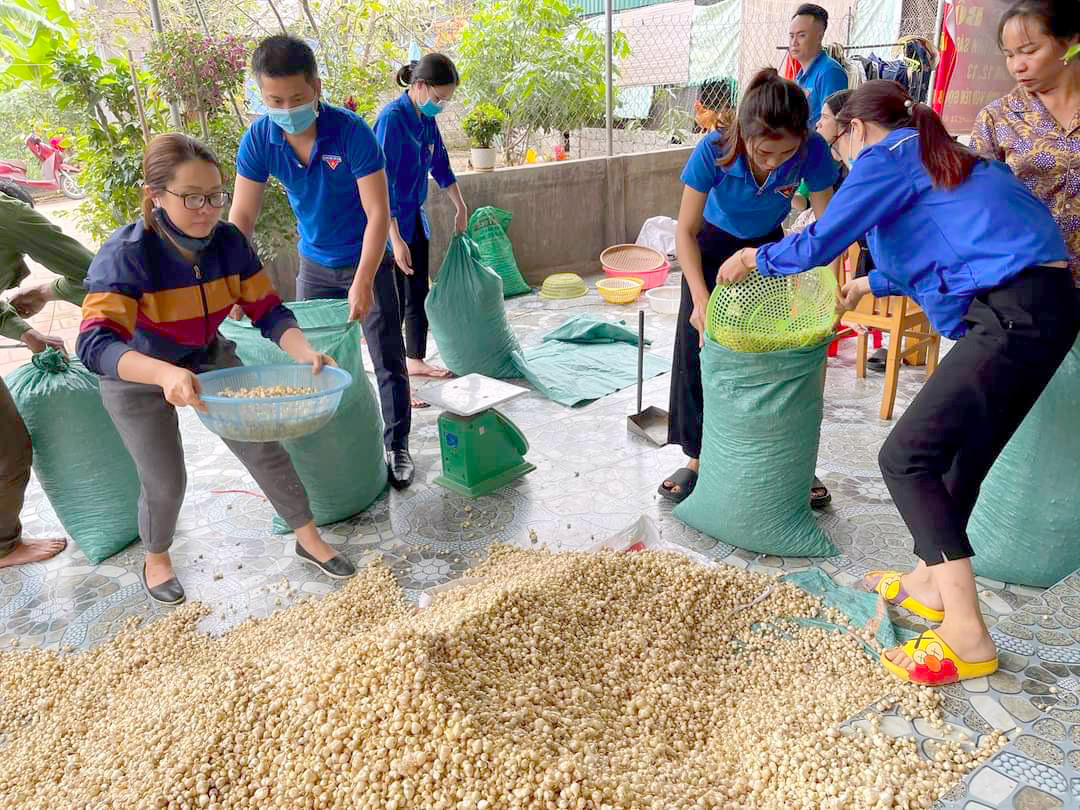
<point>888,105</point>
<point>772,108</point>
<point>435,69</point>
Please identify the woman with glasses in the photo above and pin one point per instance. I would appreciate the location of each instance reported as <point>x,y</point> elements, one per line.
<point>410,140</point>
<point>155,295</point>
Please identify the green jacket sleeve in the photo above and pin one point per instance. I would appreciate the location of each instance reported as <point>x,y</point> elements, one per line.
<point>11,325</point>
<point>24,231</point>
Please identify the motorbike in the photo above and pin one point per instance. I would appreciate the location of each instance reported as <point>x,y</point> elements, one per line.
<point>56,173</point>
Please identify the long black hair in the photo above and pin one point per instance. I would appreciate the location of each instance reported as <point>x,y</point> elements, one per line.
<point>888,105</point>
<point>435,69</point>
<point>772,108</point>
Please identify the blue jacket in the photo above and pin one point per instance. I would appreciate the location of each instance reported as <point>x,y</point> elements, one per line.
<point>413,147</point>
<point>940,247</point>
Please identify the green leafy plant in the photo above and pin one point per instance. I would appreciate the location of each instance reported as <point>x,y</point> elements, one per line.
<point>537,62</point>
<point>483,123</point>
<point>30,30</point>
<point>108,136</point>
<point>27,109</point>
<point>275,229</point>
<point>198,71</point>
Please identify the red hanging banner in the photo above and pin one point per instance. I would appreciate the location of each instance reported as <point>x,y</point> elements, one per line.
<point>971,72</point>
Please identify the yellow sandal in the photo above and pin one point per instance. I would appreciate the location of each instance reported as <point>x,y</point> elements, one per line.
<point>936,664</point>
<point>889,586</point>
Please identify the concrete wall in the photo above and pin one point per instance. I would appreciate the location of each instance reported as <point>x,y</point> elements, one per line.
<point>566,213</point>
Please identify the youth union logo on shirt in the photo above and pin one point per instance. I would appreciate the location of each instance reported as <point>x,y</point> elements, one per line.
<point>333,161</point>
<point>787,191</point>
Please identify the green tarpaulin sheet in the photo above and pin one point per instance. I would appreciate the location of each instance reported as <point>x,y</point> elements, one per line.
<point>866,611</point>
<point>585,359</point>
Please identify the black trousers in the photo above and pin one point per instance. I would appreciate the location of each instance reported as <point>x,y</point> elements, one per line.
<point>686,401</point>
<point>382,328</point>
<point>941,449</point>
<point>412,291</point>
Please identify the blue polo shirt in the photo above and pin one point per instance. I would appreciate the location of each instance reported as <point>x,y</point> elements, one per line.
<point>940,247</point>
<point>820,79</point>
<point>413,148</point>
<point>736,203</point>
<point>323,194</point>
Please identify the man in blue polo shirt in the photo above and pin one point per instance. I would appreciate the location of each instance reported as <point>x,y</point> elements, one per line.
<point>820,75</point>
<point>332,167</point>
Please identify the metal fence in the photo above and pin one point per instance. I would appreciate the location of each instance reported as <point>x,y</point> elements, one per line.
<point>662,54</point>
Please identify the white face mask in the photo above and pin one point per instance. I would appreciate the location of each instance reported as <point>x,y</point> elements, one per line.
<point>853,153</point>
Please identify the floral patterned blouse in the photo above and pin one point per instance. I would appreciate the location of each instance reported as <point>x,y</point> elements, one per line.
<point>1019,130</point>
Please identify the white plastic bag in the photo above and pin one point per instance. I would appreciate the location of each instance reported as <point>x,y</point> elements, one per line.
<point>659,234</point>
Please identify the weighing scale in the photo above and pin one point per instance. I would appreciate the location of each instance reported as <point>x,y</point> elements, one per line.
<point>482,450</point>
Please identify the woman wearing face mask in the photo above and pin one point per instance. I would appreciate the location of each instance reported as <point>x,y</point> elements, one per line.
<point>829,129</point>
<point>155,295</point>
<point>410,139</point>
<point>738,187</point>
<point>985,260</point>
<point>1035,129</point>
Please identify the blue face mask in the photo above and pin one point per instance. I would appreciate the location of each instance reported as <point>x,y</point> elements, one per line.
<point>294,120</point>
<point>431,108</point>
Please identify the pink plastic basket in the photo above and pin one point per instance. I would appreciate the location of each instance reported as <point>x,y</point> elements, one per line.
<point>636,261</point>
<point>651,279</point>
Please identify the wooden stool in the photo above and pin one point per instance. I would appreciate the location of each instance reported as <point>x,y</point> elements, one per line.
<point>910,335</point>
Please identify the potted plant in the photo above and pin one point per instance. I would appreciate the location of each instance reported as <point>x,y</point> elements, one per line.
<point>482,124</point>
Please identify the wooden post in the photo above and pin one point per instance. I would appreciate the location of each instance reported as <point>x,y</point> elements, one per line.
<point>138,97</point>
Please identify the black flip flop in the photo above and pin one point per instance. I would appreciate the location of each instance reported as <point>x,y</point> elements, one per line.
<point>819,501</point>
<point>876,361</point>
<point>685,479</point>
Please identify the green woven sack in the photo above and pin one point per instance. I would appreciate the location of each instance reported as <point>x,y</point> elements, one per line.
<point>84,468</point>
<point>342,465</point>
<point>467,317</point>
<point>487,228</point>
<point>1025,528</point>
<point>762,426</point>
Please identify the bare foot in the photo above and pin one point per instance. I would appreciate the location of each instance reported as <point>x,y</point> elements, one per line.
<point>971,643</point>
<point>28,551</point>
<point>921,587</point>
<point>159,569</point>
<point>694,465</point>
<point>418,404</point>
<point>418,368</point>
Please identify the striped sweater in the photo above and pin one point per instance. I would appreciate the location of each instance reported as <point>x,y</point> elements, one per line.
<point>141,295</point>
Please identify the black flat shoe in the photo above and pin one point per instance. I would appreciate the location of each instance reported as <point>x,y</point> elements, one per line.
<point>336,567</point>
<point>170,592</point>
<point>876,361</point>
<point>401,468</point>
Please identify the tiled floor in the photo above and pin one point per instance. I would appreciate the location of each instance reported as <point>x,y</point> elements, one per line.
<point>592,479</point>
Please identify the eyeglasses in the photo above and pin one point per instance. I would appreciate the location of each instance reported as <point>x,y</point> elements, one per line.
<point>193,202</point>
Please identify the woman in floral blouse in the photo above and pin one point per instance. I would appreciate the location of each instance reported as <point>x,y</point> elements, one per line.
<point>1035,129</point>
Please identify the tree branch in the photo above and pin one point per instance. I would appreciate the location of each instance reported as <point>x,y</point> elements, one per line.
<point>277,14</point>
